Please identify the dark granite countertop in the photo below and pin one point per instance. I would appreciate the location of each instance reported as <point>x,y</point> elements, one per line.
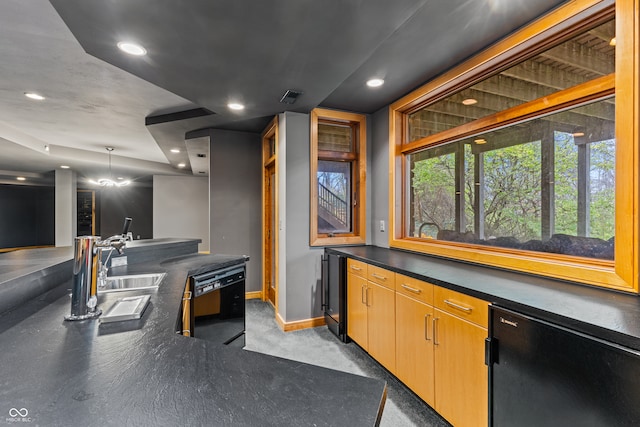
<point>141,373</point>
<point>610,315</point>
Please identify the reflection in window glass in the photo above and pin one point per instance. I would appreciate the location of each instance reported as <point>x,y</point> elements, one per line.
<point>334,137</point>
<point>546,185</point>
<point>578,60</point>
<point>334,195</point>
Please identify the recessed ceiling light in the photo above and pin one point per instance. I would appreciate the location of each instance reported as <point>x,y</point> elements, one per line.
<point>181,165</point>
<point>33,95</point>
<point>64,166</point>
<point>132,48</point>
<point>375,82</point>
<point>235,106</point>
<point>21,178</point>
<point>480,141</point>
<point>175,150</point>
<point>469,101</point>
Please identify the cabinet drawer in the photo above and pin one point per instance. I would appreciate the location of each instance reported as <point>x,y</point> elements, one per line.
<point>463,306</point>
<point>381,276</point>
<point>414,288</point>
<point>358,268</point>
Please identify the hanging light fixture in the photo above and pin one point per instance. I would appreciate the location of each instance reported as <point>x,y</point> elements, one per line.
<point>110,182</point>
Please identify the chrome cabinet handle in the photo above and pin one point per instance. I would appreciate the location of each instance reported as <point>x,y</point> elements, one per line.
<point>363,297</point>
<point>435,331</point>
<point>377,276</point>
<point>353,267</point>
<point>367,294</point>
<point>410,289</point>
<point>426,327</point>
<point>457,306</point>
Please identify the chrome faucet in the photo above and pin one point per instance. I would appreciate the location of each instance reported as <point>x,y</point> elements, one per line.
<point>89,272</point>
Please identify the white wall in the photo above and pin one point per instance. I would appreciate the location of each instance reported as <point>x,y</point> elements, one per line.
<point>181,208</point>
<point>66,207</point>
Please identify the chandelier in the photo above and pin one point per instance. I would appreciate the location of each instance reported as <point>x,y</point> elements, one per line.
<point>110,182</point>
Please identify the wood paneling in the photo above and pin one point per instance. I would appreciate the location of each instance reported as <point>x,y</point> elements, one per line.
<point>461,377</point>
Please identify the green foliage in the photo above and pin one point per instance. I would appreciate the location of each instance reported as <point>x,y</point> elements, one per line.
<point>512,189</point>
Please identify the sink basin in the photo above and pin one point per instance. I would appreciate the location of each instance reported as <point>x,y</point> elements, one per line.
<point>132,282</point>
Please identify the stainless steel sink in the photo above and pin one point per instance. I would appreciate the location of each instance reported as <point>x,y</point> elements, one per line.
<point>131,282</point>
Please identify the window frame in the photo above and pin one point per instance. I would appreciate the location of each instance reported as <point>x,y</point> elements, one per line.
<point>358,177</point>
<point>558,25</point>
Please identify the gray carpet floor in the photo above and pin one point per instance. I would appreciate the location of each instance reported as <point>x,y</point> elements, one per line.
<point>317,346</point>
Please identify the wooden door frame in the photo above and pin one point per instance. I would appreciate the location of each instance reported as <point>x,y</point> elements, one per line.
<point>269,161</point>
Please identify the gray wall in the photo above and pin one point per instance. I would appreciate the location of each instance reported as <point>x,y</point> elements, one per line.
<point>299,280</point>
<point>181,208</point>
<point>235,197</point>
<point>378,175</point>
<point>116,203</point>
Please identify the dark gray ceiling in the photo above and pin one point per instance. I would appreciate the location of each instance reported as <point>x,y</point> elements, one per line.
<point>214,52</point>
<point>204,53</point>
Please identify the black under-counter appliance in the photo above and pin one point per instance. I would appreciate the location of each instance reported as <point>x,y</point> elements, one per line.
<point>542,374</point>
<point>334,294</point>
<point>227,323</point>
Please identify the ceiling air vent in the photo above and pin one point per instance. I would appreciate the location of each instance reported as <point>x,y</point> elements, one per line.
<point>290,96</point>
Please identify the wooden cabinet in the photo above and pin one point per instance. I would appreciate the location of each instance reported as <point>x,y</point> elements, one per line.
<point>371,311</point>
<point>461,376</point>
<point>382,330</point>
<point>431,338</point>
<point>357,324</point>
<point>414,336</point>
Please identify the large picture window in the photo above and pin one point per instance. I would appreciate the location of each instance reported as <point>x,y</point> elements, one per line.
<point>525,156</point>
<point>338,160</point>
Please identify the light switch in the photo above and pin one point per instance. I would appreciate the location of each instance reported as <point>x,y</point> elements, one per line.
<point>382,225</point>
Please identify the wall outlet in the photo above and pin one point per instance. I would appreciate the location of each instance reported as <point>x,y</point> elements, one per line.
<point>119,261</point>
<point>382,225</point>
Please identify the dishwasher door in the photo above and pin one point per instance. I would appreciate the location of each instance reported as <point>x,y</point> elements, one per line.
<point>542,374</point>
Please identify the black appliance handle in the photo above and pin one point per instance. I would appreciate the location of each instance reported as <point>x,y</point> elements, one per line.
<point>324,280</point>
<point>127,224</point>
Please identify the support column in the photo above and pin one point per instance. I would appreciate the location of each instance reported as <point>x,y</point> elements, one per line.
<point>547,178</point>
<point>66,207</point>
<point>584,194</point>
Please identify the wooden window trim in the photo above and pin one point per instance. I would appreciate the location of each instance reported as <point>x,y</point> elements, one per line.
<point>620,274</point>
<point>268,159</point>
<point>358,236</point>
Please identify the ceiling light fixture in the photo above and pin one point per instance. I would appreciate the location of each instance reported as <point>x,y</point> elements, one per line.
<point>132,48</point>
<point>109,182</point>
<point>235,106</point>
<point>375,82</point>
<point>21,178</point>
<point>612,42</point>
<point>34,96</point>
<point>469,101</point>
<point>181,165</point>
<point>480,141</point>
<point>64,167</point>
<point>578,134</point>
<point>175,150</point>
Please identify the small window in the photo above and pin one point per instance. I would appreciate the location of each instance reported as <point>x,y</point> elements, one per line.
<point>338,160</point>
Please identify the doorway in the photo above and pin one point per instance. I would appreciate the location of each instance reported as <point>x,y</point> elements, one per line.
<point>270,215</point>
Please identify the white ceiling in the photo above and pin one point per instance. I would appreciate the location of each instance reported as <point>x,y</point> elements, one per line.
<point>89,104</point>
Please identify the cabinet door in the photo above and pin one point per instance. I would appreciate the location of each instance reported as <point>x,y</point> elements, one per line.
<point>461,377</point>
<point>357,309</point>
<point>381,303</point>
<point>414,346</point>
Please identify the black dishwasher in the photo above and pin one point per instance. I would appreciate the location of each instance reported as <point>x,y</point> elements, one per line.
<point>219,305</point>
<point>541,374</point>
